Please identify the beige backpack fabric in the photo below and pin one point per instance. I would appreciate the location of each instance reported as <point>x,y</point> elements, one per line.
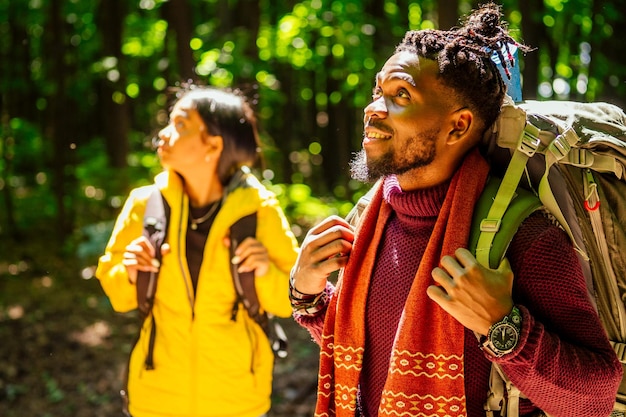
<point>573,157</point>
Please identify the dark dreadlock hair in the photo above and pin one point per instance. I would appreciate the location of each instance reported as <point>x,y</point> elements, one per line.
<point>464,58</point>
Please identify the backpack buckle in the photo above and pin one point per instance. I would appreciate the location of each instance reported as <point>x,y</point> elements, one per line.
<point>578,157</point>
<point>564,143</point>
<point>153,224</point>
<point>559,147</point>
<point>490,225</point>
<point>529,142</point>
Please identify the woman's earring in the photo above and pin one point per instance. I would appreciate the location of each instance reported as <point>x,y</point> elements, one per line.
<point>207,158</point>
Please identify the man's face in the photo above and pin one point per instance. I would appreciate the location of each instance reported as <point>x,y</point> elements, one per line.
<point>403,123</point>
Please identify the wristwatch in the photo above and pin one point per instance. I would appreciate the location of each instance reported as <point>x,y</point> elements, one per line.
<point>504,335</point>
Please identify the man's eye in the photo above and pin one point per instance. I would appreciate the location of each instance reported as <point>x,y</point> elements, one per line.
<point>376,93</point>
<point>402,93</point>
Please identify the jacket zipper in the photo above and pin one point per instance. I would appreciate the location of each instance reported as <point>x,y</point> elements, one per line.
<point>181,264</point>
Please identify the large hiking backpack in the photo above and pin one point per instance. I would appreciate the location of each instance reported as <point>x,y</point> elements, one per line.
<point>572,156</point>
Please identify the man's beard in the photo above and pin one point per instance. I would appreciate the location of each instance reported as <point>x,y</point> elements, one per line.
<point>419,151</point>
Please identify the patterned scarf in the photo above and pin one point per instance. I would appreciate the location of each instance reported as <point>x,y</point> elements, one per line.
<point>426,366</point>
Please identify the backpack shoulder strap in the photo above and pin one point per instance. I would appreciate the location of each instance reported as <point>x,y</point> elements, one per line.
<point>246,288</point>
<point>244,281</point>
<point>355,213</point>
<point>155,223</point>
<point>495,221</point>
<point>499,405</point>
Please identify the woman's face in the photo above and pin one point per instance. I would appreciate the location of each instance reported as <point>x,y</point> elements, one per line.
<point>183,144</point>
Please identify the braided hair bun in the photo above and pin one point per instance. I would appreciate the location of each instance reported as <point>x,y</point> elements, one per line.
<point>464,57</point>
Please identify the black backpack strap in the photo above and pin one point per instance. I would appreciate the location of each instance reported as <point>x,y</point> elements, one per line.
<point>155,230</point>
<point>244,281</point>
<point>246,288</point>
<point>155,222</point>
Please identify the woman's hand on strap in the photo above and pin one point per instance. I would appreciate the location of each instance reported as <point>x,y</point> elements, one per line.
<point>251,255</point>
<point>140,256</point>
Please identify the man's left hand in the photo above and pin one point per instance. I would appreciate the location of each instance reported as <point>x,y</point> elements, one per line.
<point>476,296</point>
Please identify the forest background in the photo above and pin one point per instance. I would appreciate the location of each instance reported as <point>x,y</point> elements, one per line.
<point>83,89</point>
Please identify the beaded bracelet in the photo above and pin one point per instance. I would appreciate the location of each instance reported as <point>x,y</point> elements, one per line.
<point>306,304</point>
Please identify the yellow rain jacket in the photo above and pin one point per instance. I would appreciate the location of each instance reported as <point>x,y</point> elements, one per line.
<point>205,364</point>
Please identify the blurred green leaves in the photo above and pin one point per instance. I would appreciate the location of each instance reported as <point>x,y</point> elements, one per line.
<point>308,67</point>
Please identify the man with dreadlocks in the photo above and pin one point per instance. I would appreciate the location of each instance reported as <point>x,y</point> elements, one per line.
<point>398,331</point>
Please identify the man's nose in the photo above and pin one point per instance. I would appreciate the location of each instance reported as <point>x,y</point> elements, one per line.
<point>377,107</point>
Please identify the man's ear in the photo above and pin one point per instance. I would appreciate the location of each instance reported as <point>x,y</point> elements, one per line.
<point>462,125</point>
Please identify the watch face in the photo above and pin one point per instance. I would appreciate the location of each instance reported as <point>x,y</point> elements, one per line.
<point>504,337</point>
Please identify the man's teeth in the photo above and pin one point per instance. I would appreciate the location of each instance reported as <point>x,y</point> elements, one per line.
<point>372,135</point>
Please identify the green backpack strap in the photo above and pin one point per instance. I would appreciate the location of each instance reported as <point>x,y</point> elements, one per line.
<point>490,236</point>
<point>498,213</point>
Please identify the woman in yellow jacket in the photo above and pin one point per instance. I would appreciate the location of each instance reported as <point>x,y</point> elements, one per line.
<point>205,362</point>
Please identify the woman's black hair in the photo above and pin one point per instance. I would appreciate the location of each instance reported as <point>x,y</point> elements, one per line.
<point>464,58</point>
<point>229,115</point>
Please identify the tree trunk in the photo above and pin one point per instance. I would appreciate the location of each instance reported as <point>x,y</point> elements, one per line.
<point>286,137</point>
<point>16,100</point>
<point>383,35</point>
<point>448,11</point>
<point>533,31</point>
<point>223,17</point>
<point>336,138</point>
<point>178,15</point>
<point>612,49</point>
<point>6,149</point>
<point>249,21</point>
<point>56,128</point>
<point>112,13</point>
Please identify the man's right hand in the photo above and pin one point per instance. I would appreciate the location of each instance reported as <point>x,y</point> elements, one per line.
<point>325,249</point>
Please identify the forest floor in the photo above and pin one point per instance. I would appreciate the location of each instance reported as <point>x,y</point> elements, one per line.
<point>63,349</point>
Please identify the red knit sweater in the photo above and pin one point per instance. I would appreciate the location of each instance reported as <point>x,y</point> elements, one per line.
<point>563,362</point>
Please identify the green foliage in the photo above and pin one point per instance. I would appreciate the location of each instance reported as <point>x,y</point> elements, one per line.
<point>302,209</point>
<point>12,391</point>
<point>54,393</point>
<point>318,33</point>
<point>22,149</point>
<point>304,64</point>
